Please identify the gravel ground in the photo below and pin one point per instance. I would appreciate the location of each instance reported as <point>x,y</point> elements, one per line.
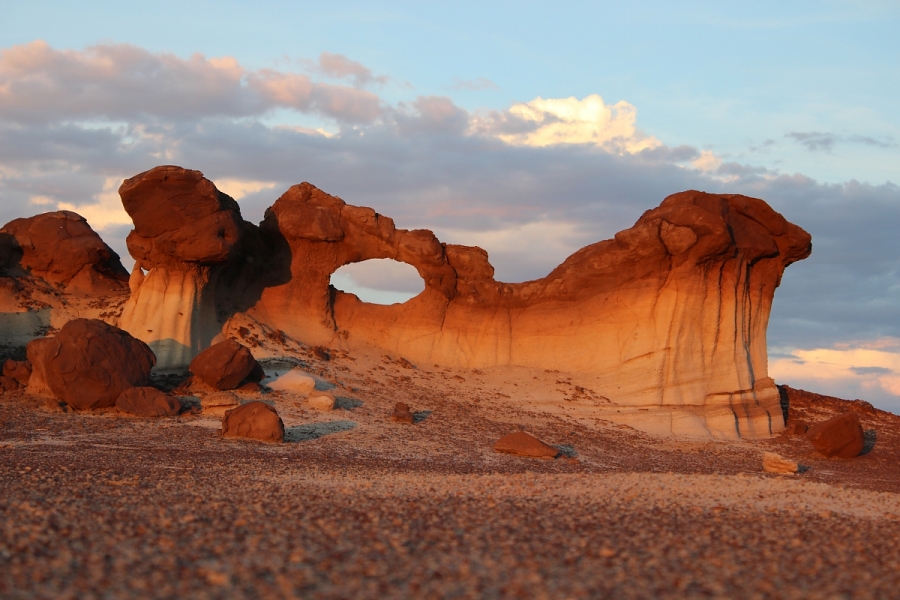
<point>99,506</point>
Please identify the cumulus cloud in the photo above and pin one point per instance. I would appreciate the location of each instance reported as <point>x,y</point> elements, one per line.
<point>554,121</point>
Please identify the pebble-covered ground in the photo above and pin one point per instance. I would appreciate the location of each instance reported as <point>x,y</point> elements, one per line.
<point>355,506</point>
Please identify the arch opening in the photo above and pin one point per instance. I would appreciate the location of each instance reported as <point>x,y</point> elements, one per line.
<point>379,281</point>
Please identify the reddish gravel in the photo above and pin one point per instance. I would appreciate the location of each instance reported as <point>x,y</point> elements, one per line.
<point>95,505</point>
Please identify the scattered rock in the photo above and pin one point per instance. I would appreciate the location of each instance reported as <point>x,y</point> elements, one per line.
<point>795,427</point>
<point>147,402</point>
<point>524,444</point>
<point>249,386</point>
<point>321,401</point>
<point>20,370</point>
<point>253,421</point>
<point>225,365</point>
<point>841,436</point>
<point>89,363</point>
<point>402,414</point>
<point>8,384</point>
<point>772,463</point>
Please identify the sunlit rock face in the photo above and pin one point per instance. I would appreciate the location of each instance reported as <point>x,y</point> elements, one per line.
<point>185,232</point>
<point>54,268</point>
<point>670,314</point>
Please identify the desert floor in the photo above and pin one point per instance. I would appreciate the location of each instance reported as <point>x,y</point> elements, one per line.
<point>354,505</point>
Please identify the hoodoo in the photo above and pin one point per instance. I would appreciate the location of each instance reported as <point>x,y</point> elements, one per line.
<point>669,316</point>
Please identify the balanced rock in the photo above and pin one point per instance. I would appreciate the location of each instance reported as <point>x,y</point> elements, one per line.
<point>524,444</point>
<point>89,363</point>
<point>253,421</point>
<point>402,414</point>
<point>185,230</point>
<point>61,248</point>
<point>225,365</point>
<point>773,463</point>
<point>147,402</point>
<point>840,436</point>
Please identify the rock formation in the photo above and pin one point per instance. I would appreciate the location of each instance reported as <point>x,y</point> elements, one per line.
<point>184,228</point>
<point>88,364</point>
<point>669,317</point>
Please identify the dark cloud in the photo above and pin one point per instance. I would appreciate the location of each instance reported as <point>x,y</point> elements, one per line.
<point>814,141</point>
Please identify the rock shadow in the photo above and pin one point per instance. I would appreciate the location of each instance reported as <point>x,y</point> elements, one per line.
<point>869,439</point>
<point>344,403</point>
<point>420,415</point>
<point>566,450</point>
<point>314,431</point>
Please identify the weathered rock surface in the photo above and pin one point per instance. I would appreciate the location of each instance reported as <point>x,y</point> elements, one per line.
<point>320,400</point>
<point>840,436</point>
<point>218,403</point>
<point>773,463</point>
<point>402,414</point>
<point>62,249</point>
<point>147,402</point>
<point>253,421</point>
<point>88,364</point>
<point>225,365</point>
<point>669,317</point>
<point>525,444</point>
<point>183,229</point>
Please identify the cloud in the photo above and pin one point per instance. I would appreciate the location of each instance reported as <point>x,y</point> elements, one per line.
<point>554,121</point>
<point>123,82</point>
<point>339,66</point>
<point>238,188</point>
<point>815,141</point>
<point>473,85</point>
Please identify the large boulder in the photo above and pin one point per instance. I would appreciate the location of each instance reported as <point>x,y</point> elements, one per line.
<point>841,436</point>
<point>89,363</point>
<point>225,365</point>
<point>61,248</point>
<point>253,421</point>
<point>147,401</point>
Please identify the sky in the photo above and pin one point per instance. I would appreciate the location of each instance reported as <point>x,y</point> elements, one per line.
<point>529,129</point>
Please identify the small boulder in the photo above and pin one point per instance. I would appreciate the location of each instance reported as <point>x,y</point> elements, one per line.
<point>253,421</point>
<point>226,365</point>
<point>8,384</point>
<point>321,401</point>
<point>89,363</point>
<point>772,463</point>
<point>841,436</point>
<point>402,414</point>
<point>294,381</point>
<point>20,370</point>
<point>147,402</point>
<point>524,444</point>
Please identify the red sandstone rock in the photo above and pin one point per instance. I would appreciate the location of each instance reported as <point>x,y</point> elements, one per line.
<point>253,421</point>
<point>524,444</point>
<point>841,436</point>
<point>179,217</point>
<point>147,402</point>
<point>20,370</point>
<point>225,365</point>
<point>89,363</point>
<point>61,248</point>
<point>402,414</point>
<point>795,427</point>
<point>8,384</point>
